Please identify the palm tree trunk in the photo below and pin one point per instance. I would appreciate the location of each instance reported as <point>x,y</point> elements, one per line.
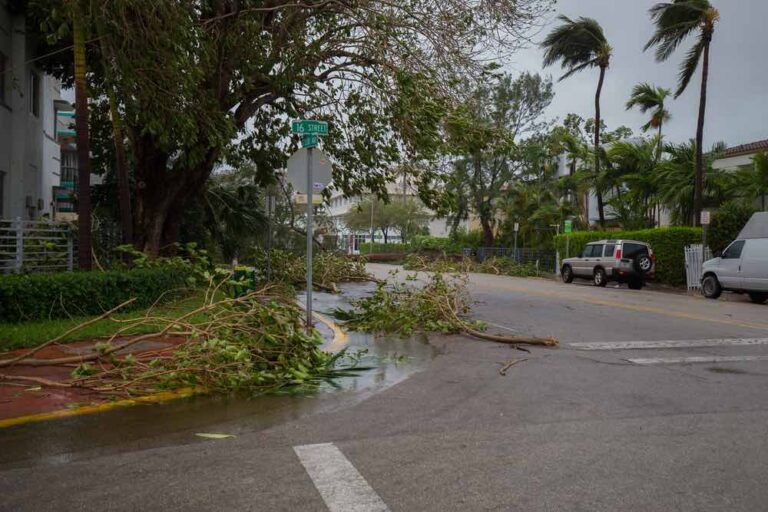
<point>698,187</point>
<point>84,245</point>
<point>598,192</point>
<point>661,144</point>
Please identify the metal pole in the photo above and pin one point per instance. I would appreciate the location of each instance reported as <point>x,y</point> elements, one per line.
<point>309,237</point>
<point>703,243</point>
<point>270,206</point>
<point>516,258</point>
<point>371,224</point>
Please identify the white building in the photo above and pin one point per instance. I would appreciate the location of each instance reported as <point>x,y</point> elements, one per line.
<point>339,205</point>
<point>740,157</point>
<point>29,152</point>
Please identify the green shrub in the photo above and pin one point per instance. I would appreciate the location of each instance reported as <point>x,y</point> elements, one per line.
<point>42,296</point>
<point>727,222</point>
<point>668,244</point>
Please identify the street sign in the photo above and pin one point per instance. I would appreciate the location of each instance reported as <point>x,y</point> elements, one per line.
<point>322,170</point>
<point>517,227</point>
<point>705,218</point>
<point>309,141</point>
<point>309,127</point>
<point>300,199</point>
<point>568,226</point>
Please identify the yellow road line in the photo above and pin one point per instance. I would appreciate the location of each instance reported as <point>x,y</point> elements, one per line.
<point>631,307</point>
<point>164,396</point>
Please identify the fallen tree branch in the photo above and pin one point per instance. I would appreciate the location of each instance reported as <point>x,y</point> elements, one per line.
<point>508,365</point>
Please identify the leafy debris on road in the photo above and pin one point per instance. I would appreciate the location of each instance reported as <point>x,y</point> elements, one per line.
<point>509,364</point>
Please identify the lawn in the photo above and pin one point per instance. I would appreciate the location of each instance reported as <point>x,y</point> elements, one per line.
<point>31,334</point>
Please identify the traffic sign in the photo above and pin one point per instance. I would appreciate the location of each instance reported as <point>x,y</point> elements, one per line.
<point>322,171</point>
<point>309,141</point>
<point>517,227</point>
<point>309,127</point>
<point>705,218</point>
<point>302,199</point>
<point>568,226</point>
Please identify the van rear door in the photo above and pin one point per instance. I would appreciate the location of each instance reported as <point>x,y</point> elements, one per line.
<point>754,265</point>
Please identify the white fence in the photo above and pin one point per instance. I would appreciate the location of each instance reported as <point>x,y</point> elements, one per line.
<point>693,264</point>
<point>35,246</point>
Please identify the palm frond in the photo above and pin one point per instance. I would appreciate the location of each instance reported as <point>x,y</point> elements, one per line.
<point>675,21</point>
<point>688,68</point>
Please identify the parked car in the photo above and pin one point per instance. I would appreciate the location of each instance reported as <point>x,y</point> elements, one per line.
<point>623,261</point>
<point>743,266</point>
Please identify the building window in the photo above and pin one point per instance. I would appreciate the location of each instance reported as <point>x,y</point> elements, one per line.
<point>34,94</point>
<point>3,71</point>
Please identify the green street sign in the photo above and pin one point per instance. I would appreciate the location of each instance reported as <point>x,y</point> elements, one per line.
<point>309,127</point>
<point>309,141</point>
<point>568,226</point>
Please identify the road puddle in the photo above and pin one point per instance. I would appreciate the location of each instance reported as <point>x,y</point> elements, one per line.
<point>173,423</point>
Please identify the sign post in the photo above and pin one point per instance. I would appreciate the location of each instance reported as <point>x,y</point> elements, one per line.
<point>568,229</point>
<point>705,220</point>
<point>309,130</point>
<point>517,228</point>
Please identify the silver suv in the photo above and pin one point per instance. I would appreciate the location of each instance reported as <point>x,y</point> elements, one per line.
<point>623,261</point>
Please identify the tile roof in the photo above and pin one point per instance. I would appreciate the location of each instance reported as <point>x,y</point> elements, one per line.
<point>745,149</point>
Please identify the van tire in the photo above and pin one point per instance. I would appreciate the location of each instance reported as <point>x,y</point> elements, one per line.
<point>758,297</point>
<point>567,274</point>
<point>600,278</point>
<point>710,287</point>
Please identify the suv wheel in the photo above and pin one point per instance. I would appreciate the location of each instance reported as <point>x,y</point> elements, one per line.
<point>599,277</point>
<point>758,297</point>
<point>643,263</point>
<point>711,288</point>
<point>567,274</point>
<point>636,284</point>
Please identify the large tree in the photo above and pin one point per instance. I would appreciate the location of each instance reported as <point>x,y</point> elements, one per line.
<point>578,45</point>
<point>203,82</point>
<point>483,134</point>
<point>675,21</point>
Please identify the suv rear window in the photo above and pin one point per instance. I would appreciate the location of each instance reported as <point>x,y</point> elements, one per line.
<point>631,250</point>
<point>608,253</point>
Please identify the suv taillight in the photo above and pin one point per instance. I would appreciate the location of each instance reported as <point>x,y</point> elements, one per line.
<point>618,254</point>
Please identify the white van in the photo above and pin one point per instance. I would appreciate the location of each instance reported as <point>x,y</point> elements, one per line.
<point>743,266</point>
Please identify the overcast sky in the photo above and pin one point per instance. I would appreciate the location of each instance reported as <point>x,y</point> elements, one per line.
<point>737,110</point>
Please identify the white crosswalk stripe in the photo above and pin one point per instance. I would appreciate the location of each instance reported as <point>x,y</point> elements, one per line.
<point>696,359</point>
<point>644,345</point>
<point>340,485</point>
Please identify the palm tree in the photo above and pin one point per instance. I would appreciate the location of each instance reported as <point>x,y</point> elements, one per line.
<point>754,181</point>
<point>648,97</point>
<point>84,246</point>
<point>580,44</point>
<point>675,21</point>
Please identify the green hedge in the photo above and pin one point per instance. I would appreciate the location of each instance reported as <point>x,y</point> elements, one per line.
<point>367,248</point>
<point>668,244</point>
<point>40,296</point>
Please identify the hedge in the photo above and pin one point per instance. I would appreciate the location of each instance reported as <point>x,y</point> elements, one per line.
<point>61,295</point>
<point>668,244</point>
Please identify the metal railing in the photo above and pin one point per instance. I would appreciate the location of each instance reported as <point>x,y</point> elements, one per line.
<point>35,246</point>
<point>545,259</point>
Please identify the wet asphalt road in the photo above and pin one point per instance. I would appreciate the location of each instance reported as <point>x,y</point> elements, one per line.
<point>567,429</point>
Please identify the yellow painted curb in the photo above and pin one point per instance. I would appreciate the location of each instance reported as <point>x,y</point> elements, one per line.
<point>340,337</point>
<point>164,396</point>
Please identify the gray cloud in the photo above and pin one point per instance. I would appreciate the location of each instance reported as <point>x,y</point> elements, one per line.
<point>737,110</point>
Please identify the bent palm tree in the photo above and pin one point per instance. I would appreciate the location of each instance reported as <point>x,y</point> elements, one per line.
<point>580,44</point>
<point>675,21</point>
<point>647,98</point>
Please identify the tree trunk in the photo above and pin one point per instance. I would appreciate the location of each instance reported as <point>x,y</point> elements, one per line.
<point>162,194</point>
<point>84,245</point>
<point>123,184</point>
<point>598,192</point>
<point>487,231</point>
<point>698,188</point>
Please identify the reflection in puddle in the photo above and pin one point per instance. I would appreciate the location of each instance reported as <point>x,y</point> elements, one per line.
<point>174,423</point>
